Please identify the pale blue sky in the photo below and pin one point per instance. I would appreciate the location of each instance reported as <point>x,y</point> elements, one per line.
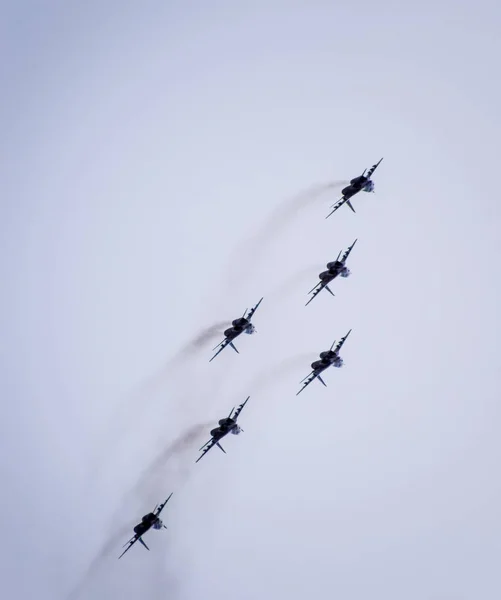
<point>145,146</point>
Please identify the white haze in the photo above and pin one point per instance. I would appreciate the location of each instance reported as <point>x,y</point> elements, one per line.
<point>153,161</point>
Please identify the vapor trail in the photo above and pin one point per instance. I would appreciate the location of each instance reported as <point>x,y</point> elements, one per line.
<point>253,249</point>
<point>198,342</point>
<point>172,463</point>
<point>290,284</point>
<point>166,472</point>
<point>106,550</point>
<point>140,402</point>
<point>273,374</point>
<point>289,209</point>
<point>146,389</point>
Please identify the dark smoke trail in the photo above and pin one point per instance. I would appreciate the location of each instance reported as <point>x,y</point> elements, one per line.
<point>151,385</point>
<point>199,341</point>
<point>171,461</point>
<point>289,209</point>
<point>289,285</point>
<point>287,212</point>
<point>139,404</point>
<point>166,471</point>
<point>111,545</point>
<point>273,374</point>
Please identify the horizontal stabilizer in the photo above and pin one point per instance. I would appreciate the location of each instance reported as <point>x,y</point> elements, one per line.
<point>142,542</point>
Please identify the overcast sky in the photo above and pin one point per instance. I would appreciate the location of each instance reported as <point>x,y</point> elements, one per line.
<point>145,149</point>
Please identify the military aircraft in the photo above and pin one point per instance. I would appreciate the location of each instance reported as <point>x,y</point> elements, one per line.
<point>361,183</point>
<point>149,521</point>
<point>238,326</point>
<point>328,358</point>
<point>335,268</point>
<point>226,426</point>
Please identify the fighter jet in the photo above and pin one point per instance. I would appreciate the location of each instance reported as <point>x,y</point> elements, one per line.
<point>238,326</point>
<point>226,426</point>
<point>328,358</point>
<point>335,268</point>
<point>149,521</point>
<point>361,183</point>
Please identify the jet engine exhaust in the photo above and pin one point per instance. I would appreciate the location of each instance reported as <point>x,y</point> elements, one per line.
<point>199,341</point>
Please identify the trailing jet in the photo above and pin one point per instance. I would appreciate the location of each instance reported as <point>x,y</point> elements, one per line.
<point>238,326</point>
<point>226,426</point>
<point>149,521</point>
<point>335,269</point>
<point>361,183</point>
<point>328,358</point>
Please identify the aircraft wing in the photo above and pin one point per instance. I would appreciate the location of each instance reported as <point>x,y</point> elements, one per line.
<point>131,542</point>
<point>341,342</point>
<point>309,378</point>
<point>222,345</point>
<point>347,253</point>
<point>253,310</point>
<point>372,169</point>
<point>160,508</point>
<point>317,289</point>
<point>338,204</point>
<point>239,409</point>
<point>206,447</point>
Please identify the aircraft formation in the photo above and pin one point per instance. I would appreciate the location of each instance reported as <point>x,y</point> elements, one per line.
<point>243,324</point>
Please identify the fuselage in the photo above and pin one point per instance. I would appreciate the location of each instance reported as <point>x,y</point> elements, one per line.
<point>239,326</point>
<point>334,270</point>
<point>327,361</point>
<point>147,522</point>
<point>225,426</point>
<point>358,184</point>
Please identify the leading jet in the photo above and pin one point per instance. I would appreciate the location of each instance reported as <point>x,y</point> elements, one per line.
<point>328,358</point>
<point>227,425</point>
<point>238,326</point>
<point>150,521</point>
<point>358,184</point>
<point>334,269</point>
